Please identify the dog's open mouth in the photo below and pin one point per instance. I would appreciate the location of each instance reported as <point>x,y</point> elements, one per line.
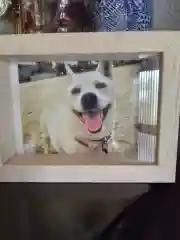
<point>93,119</point>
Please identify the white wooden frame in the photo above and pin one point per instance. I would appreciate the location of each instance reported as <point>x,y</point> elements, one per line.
<point>83,46</point>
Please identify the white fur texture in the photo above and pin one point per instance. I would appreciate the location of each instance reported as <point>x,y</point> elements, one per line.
<point>50,102</point>
<point>61,123</point>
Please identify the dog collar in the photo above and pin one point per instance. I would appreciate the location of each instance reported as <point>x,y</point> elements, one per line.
<point>102,143</point>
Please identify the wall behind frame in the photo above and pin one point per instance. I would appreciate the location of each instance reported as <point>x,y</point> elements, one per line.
<point>166,14</point>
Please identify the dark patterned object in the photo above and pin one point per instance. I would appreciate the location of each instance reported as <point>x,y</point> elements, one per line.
<point>80,16</point>
<point>114,15</point>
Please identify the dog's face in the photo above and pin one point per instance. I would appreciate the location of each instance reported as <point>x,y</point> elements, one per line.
<point>91,96</point>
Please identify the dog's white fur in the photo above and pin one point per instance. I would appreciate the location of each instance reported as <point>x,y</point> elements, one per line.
<point>58,119</point>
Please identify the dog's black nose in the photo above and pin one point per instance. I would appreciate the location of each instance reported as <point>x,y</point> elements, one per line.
<point>89,101</point>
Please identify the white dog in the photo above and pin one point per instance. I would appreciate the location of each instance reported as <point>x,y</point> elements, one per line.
<point>83,120</point>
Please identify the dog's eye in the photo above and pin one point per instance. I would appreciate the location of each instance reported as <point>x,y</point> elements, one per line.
<point>100,85</point>
<point>75,90</point>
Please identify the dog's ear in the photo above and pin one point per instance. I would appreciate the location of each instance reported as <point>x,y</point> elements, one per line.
<point>99,67</point>
<point>105,68</point>
<point>68,69</point>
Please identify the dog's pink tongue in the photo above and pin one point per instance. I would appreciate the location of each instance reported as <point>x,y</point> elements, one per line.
<point>93,123</point>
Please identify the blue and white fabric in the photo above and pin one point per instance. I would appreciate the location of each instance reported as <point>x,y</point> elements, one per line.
<point>114,15</point>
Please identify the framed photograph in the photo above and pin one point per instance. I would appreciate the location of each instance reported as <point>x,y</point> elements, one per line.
<point>96,107</point>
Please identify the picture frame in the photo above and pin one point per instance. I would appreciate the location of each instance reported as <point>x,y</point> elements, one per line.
<point>20,167</point>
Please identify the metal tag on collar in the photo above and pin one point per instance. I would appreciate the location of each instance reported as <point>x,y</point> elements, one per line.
<point>105,143</point>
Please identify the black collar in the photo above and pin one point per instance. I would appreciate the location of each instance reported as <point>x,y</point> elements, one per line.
<point>104,141</point>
